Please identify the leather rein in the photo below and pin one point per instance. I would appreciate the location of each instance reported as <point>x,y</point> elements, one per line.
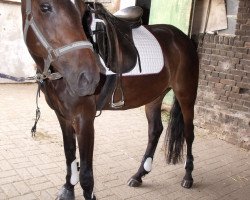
<point>52,54</point>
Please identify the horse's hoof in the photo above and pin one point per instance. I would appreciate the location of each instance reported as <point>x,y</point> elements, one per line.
<point>94,198</point>
<point>65,194</point>
<point>87,196</point>
<point>134,183</point>
<point>187,183</point>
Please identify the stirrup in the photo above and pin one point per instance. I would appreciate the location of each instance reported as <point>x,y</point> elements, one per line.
<point>120,103</point>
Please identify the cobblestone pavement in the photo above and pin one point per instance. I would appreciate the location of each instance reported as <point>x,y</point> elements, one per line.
<point>34,168</point>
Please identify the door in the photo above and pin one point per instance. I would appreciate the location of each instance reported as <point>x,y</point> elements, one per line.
<point>175,12</point>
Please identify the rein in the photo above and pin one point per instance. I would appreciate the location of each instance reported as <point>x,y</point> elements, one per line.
<point>17,79</point>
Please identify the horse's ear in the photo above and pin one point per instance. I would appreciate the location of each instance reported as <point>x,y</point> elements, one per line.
<point>80,4</point>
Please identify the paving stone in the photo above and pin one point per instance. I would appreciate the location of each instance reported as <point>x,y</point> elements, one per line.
<point>10,190</point>
<point>34,168</point>
<point>22,187</point>
<point>10,179</point>
<point>29,196</point>
<point>3,196</point>
<point>34,171</point>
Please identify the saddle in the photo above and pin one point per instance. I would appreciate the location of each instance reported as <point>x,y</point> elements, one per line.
<point>113,35</point>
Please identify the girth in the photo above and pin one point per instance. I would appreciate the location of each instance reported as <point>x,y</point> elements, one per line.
<point>106,91</point>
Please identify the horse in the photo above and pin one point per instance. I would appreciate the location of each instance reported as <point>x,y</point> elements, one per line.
<point>69,76</point>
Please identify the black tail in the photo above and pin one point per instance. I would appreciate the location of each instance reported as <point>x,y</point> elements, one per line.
<point>174,139</point>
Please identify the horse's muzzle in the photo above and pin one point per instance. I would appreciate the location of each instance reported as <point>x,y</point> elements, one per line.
<point>87,83</point>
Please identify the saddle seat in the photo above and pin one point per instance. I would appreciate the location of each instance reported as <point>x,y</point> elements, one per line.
<point>130,14</point>
<point>113,36</point>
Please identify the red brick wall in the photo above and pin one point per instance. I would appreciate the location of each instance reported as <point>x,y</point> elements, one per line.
<point>223,101</point>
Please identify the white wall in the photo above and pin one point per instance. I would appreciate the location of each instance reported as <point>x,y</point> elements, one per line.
<point>14,56</point>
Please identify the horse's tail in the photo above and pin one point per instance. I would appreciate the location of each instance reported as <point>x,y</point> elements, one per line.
<point>174,139</point>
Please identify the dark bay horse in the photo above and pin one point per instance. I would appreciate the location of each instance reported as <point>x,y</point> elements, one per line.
<point>70,78</point>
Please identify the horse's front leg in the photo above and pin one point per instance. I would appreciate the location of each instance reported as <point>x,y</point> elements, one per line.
<point>84,126</point>
<point>72,177</point>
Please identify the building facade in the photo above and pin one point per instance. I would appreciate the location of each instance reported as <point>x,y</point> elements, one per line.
<point>223,101</point>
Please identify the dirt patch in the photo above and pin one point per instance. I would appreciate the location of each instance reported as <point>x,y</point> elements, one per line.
<point>47,137</point>
<point>42,136</point>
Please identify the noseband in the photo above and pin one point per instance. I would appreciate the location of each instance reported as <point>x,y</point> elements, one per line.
<point>52,54</point>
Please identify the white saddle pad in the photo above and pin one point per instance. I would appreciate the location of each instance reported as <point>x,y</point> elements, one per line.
<point>150,54</point>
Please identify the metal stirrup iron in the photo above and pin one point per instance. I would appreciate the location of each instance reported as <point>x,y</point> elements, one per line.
<point>118,88</point>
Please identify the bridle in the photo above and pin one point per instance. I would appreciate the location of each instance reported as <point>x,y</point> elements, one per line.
<point>52,54</point>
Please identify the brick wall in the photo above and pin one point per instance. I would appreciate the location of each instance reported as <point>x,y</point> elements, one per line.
<point>223,101</point>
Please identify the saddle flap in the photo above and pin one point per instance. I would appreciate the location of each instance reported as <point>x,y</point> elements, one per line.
<point>114,41</point>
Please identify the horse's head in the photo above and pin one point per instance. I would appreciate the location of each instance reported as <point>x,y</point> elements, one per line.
<point>54,36</point>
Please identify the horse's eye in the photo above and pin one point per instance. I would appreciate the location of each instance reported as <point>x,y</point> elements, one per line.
<point>46,7</point>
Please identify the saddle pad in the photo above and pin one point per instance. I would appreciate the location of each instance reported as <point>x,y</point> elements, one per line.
<point>150,54</point>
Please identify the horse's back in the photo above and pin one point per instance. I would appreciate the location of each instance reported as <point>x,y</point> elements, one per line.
<point>180,56</point>
<point>174,43</point>
<point>168,35</point>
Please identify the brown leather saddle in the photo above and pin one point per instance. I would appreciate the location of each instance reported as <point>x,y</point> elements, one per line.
<point>113,36</point>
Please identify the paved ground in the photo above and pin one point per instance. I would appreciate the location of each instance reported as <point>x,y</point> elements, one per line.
<point>33,168</point>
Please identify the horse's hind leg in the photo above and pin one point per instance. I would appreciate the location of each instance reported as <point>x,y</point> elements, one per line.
<point>188,116</point>
<point>181,127</point>
<point>186,106</point>
<point>155,128</point>
<point>72,177</point>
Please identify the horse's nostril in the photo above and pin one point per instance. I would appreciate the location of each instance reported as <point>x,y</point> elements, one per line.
<point>82,80</point>
<point>86,83</point>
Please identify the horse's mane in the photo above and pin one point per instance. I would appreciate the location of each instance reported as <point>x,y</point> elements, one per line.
<point>86,22</point>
